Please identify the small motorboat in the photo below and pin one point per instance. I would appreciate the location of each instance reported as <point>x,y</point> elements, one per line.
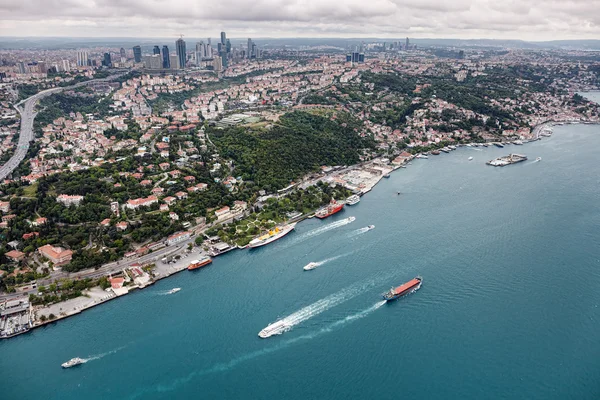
<point>470,158</point>
<point>174,290</point>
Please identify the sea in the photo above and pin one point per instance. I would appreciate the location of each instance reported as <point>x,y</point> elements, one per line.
<point>509,307</point>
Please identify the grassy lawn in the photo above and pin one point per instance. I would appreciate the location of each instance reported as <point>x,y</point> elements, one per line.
<point>31,190</point>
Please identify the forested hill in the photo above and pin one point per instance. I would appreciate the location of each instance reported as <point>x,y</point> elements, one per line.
<point>298,143</point>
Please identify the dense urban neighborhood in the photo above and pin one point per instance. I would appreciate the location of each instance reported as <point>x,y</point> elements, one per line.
<point>117,166</point>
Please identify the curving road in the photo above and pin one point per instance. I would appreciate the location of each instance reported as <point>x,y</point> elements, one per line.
<point>27,110</point>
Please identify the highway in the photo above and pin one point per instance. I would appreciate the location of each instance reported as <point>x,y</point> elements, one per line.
<point>27,110</point>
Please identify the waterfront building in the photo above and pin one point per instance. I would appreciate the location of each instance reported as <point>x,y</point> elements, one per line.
<point>178,237</point>
<point>165,57</point>
<point>137,54</point>
<point>181,52</point>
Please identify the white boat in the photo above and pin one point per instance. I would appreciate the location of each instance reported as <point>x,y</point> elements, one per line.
<point>370,227</point>
<point>349,219</point>
<point>310,265</point>
<point>470,158</point>
<point>174,290</point>
<point>352,200</point>
<point>421,156</point>
<point>276,233</point>
<point>276,328</point>
<point>538,159</point>
<point>73,362</point>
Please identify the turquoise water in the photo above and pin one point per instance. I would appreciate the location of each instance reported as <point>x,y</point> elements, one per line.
<point>509,307</point>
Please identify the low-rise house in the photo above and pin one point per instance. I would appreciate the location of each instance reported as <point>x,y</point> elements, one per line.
<point>68,200</point>
<point>141,202</point>
<point>15,255</point>
<point>178,238</point>
<point>122,226</point>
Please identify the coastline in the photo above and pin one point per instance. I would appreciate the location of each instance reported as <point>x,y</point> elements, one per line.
<point>171,270</point>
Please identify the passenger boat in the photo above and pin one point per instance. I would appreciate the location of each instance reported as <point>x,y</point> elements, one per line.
<point>352,200</point>
<point>73,362</point>
<point>274,234</point>
<point>403,289</point>
<point>174,290</point>
<point>310,266</point>
<point>332,208</point>
<point>199,263</point>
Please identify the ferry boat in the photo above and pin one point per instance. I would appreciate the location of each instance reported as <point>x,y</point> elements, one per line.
<point>174,290</point>
<point>352,200</point>
<point>73,362</point>
<point>276,328</point>
<point>310,265</point>
<point>199,263</point>
<point>332,208</point>
<point>403,289</point>
<point>276,233</point>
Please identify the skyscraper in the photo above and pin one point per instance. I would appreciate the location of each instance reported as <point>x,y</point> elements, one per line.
<point>82,58</point>
<point>180,48</point>
<point>21,66</point>
<point>165,57</point>
<point>65,65</point>
<point>107,61</point>
<point>137,54</point>
<point>249,49</point>
<point>223,38</point>
<point>156,50</point>
<point>123,55</point>
<point>407,44</point>
<point>228,46</point>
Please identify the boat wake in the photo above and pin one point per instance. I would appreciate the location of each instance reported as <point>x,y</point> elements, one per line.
<point>226,366</point>
<point>287,323</point>
<point>323,229</point>
<point>102,355</point>
<point>359,231</point>
<point>325,261</point>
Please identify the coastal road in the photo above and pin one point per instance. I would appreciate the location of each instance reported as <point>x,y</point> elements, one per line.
<point>27,110</point>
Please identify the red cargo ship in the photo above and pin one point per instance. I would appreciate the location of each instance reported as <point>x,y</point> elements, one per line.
<point>332,208</point>
<point>403,289</point>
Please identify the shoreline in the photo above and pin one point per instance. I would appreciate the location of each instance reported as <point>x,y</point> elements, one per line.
<point>385,170</point>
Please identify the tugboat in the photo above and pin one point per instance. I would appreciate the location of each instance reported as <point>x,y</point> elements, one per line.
<point>73,362</point>
<point>403,289</point>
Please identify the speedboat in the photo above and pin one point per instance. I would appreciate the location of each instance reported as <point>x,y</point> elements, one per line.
<point>310,265</point>
<point>370,227</point>
<point>73,362</point>
<point>470,158</point>
<point>538,159</point>
<point>174,290</point>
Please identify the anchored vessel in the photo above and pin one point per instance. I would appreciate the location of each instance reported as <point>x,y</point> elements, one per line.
<point>507,160</point>
<point>311,265</point>
<point>403,289</point>
<point>332,208</point>
<point>73,362</point>
<point>352,200</point>
<point>199,263</point>
<point>276,233</point>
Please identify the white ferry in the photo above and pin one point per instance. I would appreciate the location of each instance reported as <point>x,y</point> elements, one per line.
<point>276,328</point>
<point>352,200</point>
<point>73,362</point>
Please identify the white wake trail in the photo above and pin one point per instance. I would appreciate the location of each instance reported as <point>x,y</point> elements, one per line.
<point>99,356</point>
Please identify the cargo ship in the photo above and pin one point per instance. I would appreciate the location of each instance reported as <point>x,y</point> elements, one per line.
<point>276,233</point>
<point>332,208</point>
<point>199,263</point>
<point>403,289</point>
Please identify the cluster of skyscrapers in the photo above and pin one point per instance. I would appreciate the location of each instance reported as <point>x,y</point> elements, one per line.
<point>204,55</point>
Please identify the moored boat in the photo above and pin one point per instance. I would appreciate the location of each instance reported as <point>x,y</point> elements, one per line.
<point>276,233</point>
<point>332,208</point>
<point>403,289</point>
<point>199,263</point>
<point>352,200</point>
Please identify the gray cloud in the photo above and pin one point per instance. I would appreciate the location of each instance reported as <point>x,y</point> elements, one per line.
<point>511,19</point>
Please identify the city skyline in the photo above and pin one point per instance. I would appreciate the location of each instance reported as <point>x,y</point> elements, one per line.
<point>468,19</point>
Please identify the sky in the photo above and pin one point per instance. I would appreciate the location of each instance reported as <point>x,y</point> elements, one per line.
<point>466,19</point>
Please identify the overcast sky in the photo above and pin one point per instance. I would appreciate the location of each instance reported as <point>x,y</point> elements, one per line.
<point>494,19</point>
